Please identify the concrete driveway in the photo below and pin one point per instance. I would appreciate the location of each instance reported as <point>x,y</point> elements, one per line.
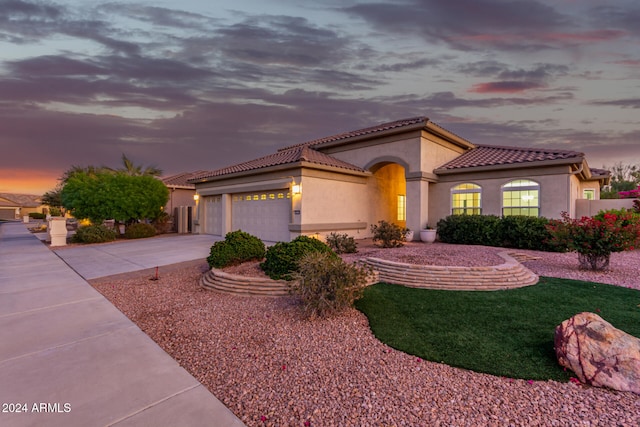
<point>69,358</point>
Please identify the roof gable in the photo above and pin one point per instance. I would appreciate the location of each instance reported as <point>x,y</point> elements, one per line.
<point>290,156</point>
<point>361,132</point>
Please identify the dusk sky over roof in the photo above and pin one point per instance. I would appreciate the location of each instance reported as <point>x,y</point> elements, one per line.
<point>200,85</point>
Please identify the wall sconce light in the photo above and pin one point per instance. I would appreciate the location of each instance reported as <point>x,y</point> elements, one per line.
<point>296,189</point>
<point>196,197</point>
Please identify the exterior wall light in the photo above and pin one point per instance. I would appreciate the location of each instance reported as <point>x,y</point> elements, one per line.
<point>296,188</point>
<point>196,197</point>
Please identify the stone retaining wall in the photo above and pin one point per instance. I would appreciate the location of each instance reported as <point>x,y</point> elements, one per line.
<point>511,274</point>
<point>243,285</point>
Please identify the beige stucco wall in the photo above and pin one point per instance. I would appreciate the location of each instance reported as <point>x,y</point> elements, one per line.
<point>592,207</point>
<point>179,197</point>
<point>555,184</point>
<point>332,202</point>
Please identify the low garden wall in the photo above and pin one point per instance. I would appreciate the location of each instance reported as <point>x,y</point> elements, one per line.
<point>511,274</point>
<point>243,285</point>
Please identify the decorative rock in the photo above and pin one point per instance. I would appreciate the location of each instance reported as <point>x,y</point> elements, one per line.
<point>599,354</point>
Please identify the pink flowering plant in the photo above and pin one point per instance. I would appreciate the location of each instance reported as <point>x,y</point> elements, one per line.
<point>595,238</point>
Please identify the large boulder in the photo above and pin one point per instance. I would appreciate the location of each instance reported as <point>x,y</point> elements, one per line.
<point>598,353</point>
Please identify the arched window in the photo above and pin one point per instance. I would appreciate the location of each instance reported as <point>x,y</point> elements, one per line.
<point>466,199</point>
<point>521,197</point>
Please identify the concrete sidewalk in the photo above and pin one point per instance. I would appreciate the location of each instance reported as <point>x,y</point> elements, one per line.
<point>70,358</point>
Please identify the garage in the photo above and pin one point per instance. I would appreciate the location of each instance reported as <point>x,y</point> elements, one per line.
<point>213,215</point>
<point>264,214</point>
<point>8,213</point>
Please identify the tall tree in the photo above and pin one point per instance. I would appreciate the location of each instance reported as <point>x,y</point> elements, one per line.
<point>108,195</point>
<point>137,170</point>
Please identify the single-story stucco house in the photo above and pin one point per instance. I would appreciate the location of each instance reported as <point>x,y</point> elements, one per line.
<point>411,172</point>
<point>14,206</point>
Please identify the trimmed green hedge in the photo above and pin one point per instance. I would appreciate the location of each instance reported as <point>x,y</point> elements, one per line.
<point>520,232</point>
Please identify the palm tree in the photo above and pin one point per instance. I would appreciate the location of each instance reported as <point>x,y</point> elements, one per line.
<point>136,170</point>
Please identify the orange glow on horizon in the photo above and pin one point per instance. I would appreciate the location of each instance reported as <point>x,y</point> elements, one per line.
<point>26,181</point>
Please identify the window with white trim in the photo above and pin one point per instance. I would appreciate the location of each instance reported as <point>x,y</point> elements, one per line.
<point>466,199</point>
<point>521,197</point>
<point>589,194</point>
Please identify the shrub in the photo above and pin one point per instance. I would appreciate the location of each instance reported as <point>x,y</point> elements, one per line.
<point>236,248</point>
<point>37,215</point>
<point>93,234</point>
<point>163,223</point>
<point>390,235</point>
<point>526,232</point>
<point>139,230</point>
<point>470,230</point>
<point>630,214</point>
<point>342,243</point>
<point>636,206</point>
<point>593,239</point>
<point>282,258</point>
<point>326,284</point>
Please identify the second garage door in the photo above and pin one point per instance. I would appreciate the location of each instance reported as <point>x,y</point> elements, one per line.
<point>263,214</point>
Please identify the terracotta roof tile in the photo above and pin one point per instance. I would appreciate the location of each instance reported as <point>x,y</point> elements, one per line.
<point>292,155</point>
<point>359,132</point>
<point>488,155</point>
<point>181,180</point>
<point>22,200</point>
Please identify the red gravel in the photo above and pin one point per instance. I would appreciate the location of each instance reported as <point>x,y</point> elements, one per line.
<point>272,367</point>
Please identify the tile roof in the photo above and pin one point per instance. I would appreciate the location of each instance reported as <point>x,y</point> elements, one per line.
<point>488,155</point>
<point>181,180</point>
<point>22,200</point>
<point>292,155</point>
<point>366,131</point>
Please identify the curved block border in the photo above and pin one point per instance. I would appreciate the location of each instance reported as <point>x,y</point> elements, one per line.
<point>508,275</point>
<point>243,285</point>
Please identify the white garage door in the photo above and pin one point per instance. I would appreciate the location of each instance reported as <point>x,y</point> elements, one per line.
<point>264,214</point>
<point>213,215</point>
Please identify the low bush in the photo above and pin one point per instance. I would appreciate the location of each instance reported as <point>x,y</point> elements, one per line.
<point>37,215</point>
<point>342,243</point>
<point>326,284</point>
<point>632,217</point>
<point>93,234</point>
<point>163,223</point>
<point>526,232</point>
<point>470,230</point>
<point>389,234</point>
<point>520,232</point>
<point>139,230</point>
<point>236,248</point>
<point>281,259</point>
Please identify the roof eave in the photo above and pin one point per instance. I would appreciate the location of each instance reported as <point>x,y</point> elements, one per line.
<point>533,164</point>
<point>281,168</point>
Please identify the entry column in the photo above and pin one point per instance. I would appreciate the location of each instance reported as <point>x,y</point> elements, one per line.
<point>417,203</point>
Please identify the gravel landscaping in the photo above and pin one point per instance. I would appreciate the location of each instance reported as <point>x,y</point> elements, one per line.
<point>272,367</point>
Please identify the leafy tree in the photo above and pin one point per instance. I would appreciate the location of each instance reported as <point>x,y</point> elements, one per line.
<point>108,195</point>
<point>623,178</point>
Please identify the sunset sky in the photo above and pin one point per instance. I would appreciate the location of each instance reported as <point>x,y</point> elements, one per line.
<point>193,84</point>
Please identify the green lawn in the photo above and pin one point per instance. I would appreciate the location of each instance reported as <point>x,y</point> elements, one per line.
<point>505,333</point>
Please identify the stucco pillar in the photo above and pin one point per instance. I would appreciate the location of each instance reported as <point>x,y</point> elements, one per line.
<point>226,214</point>
<point>417,204</point>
